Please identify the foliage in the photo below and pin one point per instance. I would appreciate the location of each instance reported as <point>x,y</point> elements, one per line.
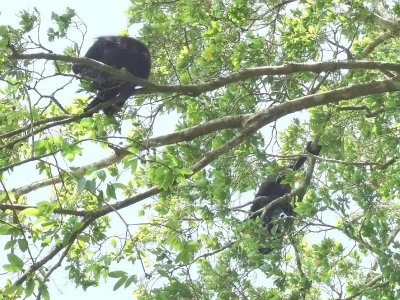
<point>225,75</point>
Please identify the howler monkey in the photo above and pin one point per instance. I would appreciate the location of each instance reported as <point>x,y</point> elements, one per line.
<point>118,52</point>
<point>272,189</point>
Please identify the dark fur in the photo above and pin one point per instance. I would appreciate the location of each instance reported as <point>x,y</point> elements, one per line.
<point>272,189</point>
<point>118,52</point>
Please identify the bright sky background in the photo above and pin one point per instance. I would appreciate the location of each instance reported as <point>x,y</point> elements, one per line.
<point>102,17</point>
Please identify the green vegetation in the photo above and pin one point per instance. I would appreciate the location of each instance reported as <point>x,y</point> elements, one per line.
<point>154,199</point>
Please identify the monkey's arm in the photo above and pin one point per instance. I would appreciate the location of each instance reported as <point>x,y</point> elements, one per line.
<point>309,148</point>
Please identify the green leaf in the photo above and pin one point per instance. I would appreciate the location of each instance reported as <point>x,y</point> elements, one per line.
<point>185,171</point>
<point>130,280</point>
<point>81,185</point>
<point>91,186</point>
<point>10,244</point>
<point>3,196</point>
<point>117,274</point>
<point>23,244</point>
<point>15,261</point>
<point>30,287</point>
<point>31,212</point>
<point>184,256</point>
<point>119,283</point>
<point>111,191</point>
<point>44,292</point>
<point>102,175</point>
<point>5,229</point>
<point>86,122</point>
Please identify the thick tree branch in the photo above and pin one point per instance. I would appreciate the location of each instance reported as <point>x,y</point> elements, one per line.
<point>196,89</point>
<point>259,119</point>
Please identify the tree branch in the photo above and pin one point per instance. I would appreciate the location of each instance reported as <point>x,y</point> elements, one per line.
<point>252,122</point>
<point>196,89</point>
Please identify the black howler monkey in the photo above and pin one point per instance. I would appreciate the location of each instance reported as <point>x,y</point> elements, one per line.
<point>272,189</point>
<point>118,52</point>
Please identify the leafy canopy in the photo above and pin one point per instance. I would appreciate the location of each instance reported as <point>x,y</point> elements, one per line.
<point>156,199</point>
